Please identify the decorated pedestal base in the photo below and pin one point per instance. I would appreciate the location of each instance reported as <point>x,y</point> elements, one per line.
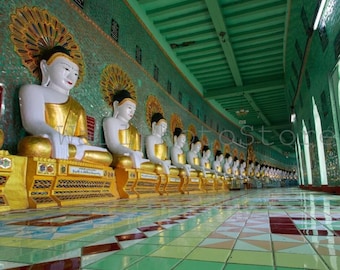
<point>137,183</point>
<point>174,182</point>
<point>209,183</point>
<point>235,183</point>
<point>219,183</point>
<point>13,193</point>
<point>52,182</point>
<point>194,183</point>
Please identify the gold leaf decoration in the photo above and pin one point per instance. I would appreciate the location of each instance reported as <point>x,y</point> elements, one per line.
<point>34,31</point>
<point>226,149</point>
<point>204,140</point>
<point>152,106</point>
<point>175,122</point>
<point>191,132</point>
<point>113,79</point>
<point>216,146</point>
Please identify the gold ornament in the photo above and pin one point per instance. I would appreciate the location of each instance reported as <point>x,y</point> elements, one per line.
<point>152,106</point>
<point>34,31</point>
<point>175,122</point>
<point>113,79</point>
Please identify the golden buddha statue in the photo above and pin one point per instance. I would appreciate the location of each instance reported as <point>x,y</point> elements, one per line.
<point>56,121</point>
<point>122,138</point>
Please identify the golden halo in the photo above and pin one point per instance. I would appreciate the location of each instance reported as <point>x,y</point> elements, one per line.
<point>216,146</point>
<point>191,132</point>
<point>226,149</point>
<point>33,31</point>
<point>152,106</point>
<point>204,140</point>
<point>241,155</point>
<point>113,79</point>
<point>175,122</point>
<point>235,152</point>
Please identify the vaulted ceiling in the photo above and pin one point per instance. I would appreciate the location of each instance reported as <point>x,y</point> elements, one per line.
<point>233,52</point>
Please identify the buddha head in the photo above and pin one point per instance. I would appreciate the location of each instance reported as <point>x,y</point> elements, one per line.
<point>179,137</point>
<point>58,70</point>
<point>158,124</point>
<point>228,158</point>
<point>195,145</point>
<point>206,151</point>
<point>124,105</point>
<point>219,155</point>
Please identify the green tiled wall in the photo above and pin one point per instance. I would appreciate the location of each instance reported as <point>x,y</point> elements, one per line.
<point>91,28</point>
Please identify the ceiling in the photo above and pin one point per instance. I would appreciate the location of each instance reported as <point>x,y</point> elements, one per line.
<point>233,52</point>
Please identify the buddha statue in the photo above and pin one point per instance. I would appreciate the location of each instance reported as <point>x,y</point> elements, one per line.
<point>257,169</point>
<point>227,166</point>
<point>193,157</point>
<point>177,154</point>
<point>156,149</point>
<point>205,160</point>
<point>121,137</point>
<point>250,168</point>
<point>218,163</point>
<point>235,168</point>
<point>55,120</point>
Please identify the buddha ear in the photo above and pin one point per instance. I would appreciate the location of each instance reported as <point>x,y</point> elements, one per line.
<point>115,109</point>
<point>153,124</point>
<point>45,77</point>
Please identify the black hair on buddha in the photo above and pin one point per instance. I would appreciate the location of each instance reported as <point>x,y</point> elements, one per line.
<point>205,148</point>
<point>241,161</point>
<point>235,158</point>
<point>227,155</point>
<point>177,131</point>
<point>120,95</point>
<point>194,139</point>
<point>45,55</point>
<point>250,162</point>
<point>156,117</point>
<point>218,153</point>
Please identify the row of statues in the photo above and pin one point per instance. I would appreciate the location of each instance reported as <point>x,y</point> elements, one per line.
<point>57,126</point>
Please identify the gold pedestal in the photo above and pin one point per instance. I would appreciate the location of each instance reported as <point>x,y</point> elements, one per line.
<point>209,183</point>
<point>13,193</point>
<point>194,183</point>
<point>52,182</point>
<point>137,183</point>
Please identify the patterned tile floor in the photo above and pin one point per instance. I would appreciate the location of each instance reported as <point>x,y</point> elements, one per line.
<point>278,228</point>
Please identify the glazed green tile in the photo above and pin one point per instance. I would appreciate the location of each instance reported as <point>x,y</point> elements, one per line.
<point>231,266</point>
<point>251,257</point>
<point>195,233</point>
<point>172,252</point>
<point>154,263</point>
<point>199,265</point>
<point>300,261</point>
<point>209,254</point>
<point>156,239</point>
<point>170,233</point>
<point>186,241</point>
<point>114,262</point>
<point>139,249</point>
<point>332,261</point>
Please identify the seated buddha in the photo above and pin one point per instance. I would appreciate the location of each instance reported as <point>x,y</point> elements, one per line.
<point>56,121</point>
<point>250,169</point>
<point>193,157</point>
<point>156,148</point>
<point>205,160</point>
<point>228,164</point>
<point>235,168</point>
<point>217,164</point>
<point>177,154</point>
<point>121,137</point>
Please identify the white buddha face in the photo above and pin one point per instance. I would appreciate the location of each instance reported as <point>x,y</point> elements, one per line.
<point>197,147</point>
<point>126,110</point>
<point>160,128</point>
<point>63,74</point>
<point>207,153</point>
<point>181,140</point>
